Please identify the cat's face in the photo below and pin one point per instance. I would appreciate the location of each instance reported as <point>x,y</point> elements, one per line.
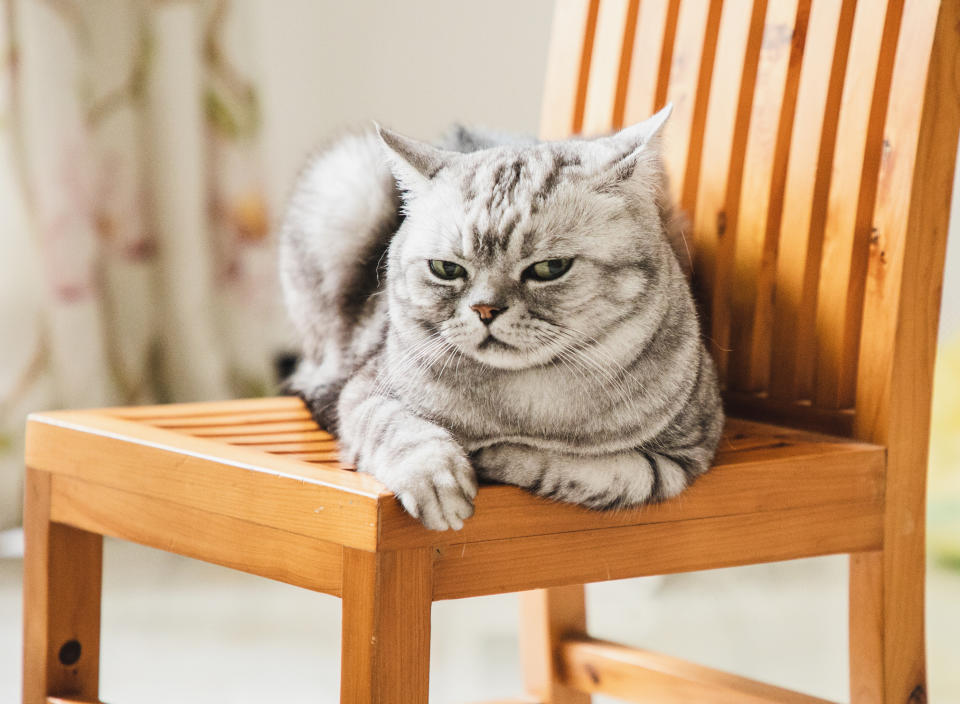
<point>519,256</point>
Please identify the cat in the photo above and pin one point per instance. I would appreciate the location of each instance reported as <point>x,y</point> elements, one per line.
<point>501,309</point>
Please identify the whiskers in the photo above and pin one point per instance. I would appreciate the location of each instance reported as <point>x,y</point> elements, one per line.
<point>585,356</point>
<point>412,362</point>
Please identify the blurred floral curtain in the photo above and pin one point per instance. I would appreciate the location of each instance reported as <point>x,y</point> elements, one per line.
<point>135,262</point>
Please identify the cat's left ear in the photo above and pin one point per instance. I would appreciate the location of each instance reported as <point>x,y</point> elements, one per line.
<point>622,151</point>
<point>414,163</point>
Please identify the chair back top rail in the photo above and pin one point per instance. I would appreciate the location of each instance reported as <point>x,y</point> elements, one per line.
<point>810,141</point>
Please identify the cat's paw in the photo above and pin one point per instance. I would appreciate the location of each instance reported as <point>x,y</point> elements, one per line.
<point>508,463</point>
<point>436,484</point>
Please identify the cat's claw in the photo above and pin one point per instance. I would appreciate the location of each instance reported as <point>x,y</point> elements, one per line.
<point>438,486</point>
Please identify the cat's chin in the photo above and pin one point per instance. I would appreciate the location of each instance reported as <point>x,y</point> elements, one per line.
<point>510,358</point>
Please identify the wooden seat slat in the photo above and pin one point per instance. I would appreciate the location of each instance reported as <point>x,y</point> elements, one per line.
<point>311,436</point>
<point>230,431</point>
<point>228,420</point>
<point>759,468</point>
<point>283,448</point>
<point>202,408</point>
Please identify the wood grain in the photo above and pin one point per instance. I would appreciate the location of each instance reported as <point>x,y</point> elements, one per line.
<point>717,195</point>
<point>546,617</point>
<point>385,653</point>
<point>583,556</point>
<point>688,88</point>
<point>61,601</point>
<point>568,67</point>
<point>165,525</point>
<point>610,66</point>
<point>277,404</point>
<point>761,194</point>
<point>649,75</point>
<point>804,199</point>
<point>850,201</point>
<point>759,468</point>
<point>602,667</point>
<point>898,345</point>
<point>207,475</point>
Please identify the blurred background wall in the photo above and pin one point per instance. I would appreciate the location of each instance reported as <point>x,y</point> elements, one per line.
<point>146,148</point>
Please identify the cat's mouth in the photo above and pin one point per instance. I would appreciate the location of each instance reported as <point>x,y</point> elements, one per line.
<point>491,342</point>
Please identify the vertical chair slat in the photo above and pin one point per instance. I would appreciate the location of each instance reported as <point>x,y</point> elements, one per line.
<point>568,67</point>
<point>610,66</point>
<point>691,70</point>
<point>805,194</point>
<point>741,28</point>
<point>852,186</point>
<point>761,195</point>
<point>900,317</point>
<point>652,54</point>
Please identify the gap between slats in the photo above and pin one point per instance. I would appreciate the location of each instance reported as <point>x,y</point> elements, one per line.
<point>688,88</point>
<point>851,199</point>
<point>761,196</point>
<point>610,66</point>
<point>805,195</point>
<point>715,211</point>
<point>649,66</point>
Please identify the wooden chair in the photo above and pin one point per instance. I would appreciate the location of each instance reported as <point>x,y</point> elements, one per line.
<point>813,146</point>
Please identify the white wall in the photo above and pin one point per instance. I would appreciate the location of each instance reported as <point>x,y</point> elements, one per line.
<point>416,66</point>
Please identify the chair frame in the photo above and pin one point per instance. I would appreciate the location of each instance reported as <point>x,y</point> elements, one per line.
<point>209,481</point>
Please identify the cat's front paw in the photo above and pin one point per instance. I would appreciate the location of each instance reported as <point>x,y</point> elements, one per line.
<point>436,484</point>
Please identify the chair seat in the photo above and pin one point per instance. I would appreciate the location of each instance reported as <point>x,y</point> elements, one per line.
<point>258,476</point>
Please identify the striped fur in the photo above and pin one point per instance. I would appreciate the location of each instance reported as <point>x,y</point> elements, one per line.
<point>593,388</point>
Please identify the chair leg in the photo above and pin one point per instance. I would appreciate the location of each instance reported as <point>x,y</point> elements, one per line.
<point>61,602</point>
<point>385,652</point>
<point>547,615</point>
<point>887,658</point>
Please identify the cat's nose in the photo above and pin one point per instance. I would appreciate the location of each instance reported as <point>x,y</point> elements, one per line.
<point>487,312</point>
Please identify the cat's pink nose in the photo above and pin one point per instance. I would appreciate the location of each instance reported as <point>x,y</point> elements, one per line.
<point>487,313</point>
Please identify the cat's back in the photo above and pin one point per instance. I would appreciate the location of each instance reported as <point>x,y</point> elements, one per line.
<point>340,218</point>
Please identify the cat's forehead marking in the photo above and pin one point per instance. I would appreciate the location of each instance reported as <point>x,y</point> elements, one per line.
<point>503,190</point>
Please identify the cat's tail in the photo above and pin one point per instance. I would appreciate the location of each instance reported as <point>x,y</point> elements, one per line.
<point>341,216</point>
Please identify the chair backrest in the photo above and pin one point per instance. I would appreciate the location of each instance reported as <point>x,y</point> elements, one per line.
<point>812,147</point>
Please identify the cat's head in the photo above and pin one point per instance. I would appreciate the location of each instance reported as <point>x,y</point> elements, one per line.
<point>514,255</point>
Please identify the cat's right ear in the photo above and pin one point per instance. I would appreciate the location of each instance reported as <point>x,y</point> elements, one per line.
<point>414,163</point>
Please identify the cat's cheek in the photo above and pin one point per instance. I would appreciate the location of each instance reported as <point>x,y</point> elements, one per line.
<point>628,288</point>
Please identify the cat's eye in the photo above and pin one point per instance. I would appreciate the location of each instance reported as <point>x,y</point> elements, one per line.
<point>447,270</point>
<point>548,270</point>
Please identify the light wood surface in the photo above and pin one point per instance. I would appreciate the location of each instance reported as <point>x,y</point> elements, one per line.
<point>576,557</point>
<point>208,475</point>
<point>687,87</point>
<point>761,193</point>
<point>166,525</point>
<point>602,667</point>
<point>61,601</point>
<point>759,467</point>
<point>898,346</point>
<point>546,617</point>
<point>652,55</point>
<point>814,133</point>
<point>568,67</point>
<point>386,627</point>
<point>610,65</point>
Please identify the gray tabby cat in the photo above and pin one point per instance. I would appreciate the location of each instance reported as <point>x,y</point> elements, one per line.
<point>512,312</point>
